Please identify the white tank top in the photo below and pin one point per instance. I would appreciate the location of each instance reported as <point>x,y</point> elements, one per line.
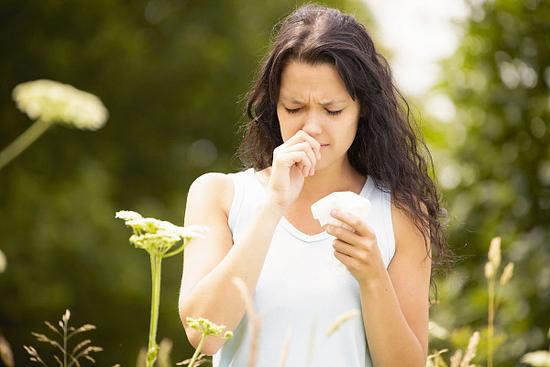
<point>303,287</point>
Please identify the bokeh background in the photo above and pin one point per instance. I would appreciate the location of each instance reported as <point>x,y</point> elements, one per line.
<point>173,74</point>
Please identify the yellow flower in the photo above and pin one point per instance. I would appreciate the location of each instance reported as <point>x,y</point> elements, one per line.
<point>52,101</point>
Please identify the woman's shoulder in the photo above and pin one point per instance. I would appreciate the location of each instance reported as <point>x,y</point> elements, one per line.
<point>216,185</point>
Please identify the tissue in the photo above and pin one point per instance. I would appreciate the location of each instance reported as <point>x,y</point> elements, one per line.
<point>346,201</point>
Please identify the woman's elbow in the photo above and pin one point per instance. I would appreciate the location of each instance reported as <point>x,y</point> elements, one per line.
<point>209,346</point>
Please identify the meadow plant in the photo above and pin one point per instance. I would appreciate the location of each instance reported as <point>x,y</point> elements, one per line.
<point>161,239</point>
<point>206,328</point>
<point>3,262</point>
<point>68,357</point>
<point>491,268</point>
<point>49,102</point>
<point>6,355</point>
<point>539,358</point>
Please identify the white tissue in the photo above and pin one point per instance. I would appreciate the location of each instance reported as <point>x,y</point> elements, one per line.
<point>346,201</point>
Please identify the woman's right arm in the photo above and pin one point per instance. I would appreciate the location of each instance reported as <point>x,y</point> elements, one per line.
<point>210,263</point>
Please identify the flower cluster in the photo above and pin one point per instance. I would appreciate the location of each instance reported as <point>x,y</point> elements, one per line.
<point>208,328</point>
<point>52,101</point>
<point>493,264</point>
<point>158,236</point>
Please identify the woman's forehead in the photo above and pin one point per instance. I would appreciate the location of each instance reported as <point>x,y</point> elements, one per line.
<point>299,80</point>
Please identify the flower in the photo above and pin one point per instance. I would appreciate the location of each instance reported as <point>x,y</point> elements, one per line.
<point>2,262</point>
<point>127,215</point>
<point>494,252</point>
<point>207,327</point>
<point>157,236</point>
<point>507,273</point>
<point>52,101</point>
<point>538,358</point>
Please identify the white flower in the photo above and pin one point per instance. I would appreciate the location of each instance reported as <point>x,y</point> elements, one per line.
<point>52,101</point>
<point>540,358</point>
<point>158,236</point>
<point>127,215</point>
<point>2,262</point>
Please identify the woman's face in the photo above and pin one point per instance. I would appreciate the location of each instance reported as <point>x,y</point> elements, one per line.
<point>315,99</point>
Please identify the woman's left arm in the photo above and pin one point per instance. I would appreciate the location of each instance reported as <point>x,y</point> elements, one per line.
<point>394,302</point>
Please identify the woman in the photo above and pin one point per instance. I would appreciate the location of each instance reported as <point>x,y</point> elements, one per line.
<point>324,117</point>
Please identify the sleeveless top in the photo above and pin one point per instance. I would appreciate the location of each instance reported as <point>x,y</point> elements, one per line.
<point>302,288</point>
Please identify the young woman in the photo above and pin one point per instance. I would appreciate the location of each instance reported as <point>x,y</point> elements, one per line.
<point>324,116</point>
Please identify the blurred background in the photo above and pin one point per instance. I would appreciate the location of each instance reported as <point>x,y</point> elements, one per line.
<point>173,74</point>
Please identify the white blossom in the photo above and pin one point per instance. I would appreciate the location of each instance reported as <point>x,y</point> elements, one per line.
<point>56,102</point>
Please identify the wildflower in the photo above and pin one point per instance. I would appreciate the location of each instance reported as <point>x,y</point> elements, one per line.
<point>437,330</point>
<point>494,252</point>
<point>489,270</point>
<point>158,236</point>
<point>3,262</point>
<point>507,273</point>
<point>538,358</point>
<point>52,101</point>
<point>207,327</point>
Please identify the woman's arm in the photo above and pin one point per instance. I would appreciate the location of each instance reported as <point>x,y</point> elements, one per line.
<point>395,305</point>
<point>210,263</point>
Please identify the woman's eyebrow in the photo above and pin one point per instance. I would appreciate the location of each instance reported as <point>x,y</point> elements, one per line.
<point>327,103</point>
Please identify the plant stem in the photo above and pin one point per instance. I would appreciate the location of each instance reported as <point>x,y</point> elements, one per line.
<point>65,327</point>
<point>152,350</point>
<point>491,317</point>
<point>23,141</point>
<point>197,351</point>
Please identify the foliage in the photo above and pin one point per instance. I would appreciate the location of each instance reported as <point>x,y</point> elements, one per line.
<point>172,74</point>
<point>493,160</point>
<point>68,356</point>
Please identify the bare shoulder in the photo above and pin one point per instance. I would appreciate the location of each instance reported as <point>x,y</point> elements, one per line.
<point>404,228</point>
<point>216,186</point>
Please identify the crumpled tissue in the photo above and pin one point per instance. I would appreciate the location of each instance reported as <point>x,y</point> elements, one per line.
<point>345,201</point>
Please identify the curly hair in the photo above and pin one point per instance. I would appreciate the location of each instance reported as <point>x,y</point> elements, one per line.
<point>386,146</point>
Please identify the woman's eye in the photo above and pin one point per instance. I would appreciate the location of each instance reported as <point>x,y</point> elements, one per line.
<point>292,111</point>
<point>334,112</point>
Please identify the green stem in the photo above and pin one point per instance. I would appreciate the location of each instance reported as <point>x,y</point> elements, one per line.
<point>197,351</point>
<point>23,141</point>
<point>152,350</point>
<point>175,252</point>
<point>490,328</point>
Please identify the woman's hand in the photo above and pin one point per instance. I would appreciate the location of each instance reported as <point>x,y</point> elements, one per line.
<point>293,160</point>
<point>357,249</point>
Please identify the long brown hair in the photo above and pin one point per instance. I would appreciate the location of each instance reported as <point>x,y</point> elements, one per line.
<point>386,144</point>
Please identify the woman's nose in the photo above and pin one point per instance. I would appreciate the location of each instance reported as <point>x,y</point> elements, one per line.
<point>312,124</point>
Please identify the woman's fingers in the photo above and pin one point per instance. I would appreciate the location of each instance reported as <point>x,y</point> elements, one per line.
<point>306,147</point>
<point>300,136</point>
<point>298,157</point>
